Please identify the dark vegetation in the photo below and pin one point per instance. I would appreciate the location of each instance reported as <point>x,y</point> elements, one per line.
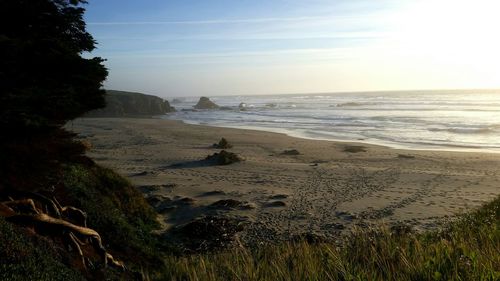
<point>222,144</point>
<point>223,158</point>
<point>128,104</point>
<point>45,82</point>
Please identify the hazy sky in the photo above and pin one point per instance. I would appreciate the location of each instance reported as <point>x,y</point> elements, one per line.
<point>224,47</point>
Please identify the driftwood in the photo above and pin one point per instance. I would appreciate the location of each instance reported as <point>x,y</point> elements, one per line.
<point>48,217</point>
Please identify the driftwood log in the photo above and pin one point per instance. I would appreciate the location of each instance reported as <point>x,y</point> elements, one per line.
<point>47,217</point>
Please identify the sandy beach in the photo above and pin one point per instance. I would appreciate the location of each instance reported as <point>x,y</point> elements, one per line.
<point>326,189</point>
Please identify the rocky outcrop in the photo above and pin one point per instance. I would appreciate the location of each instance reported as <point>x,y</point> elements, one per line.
<point>128,104</point>
<point>206,103</point>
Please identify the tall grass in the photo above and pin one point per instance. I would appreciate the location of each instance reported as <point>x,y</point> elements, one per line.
<point>467,249</point>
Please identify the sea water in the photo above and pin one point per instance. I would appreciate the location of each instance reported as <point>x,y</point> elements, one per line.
<point>443,120</point>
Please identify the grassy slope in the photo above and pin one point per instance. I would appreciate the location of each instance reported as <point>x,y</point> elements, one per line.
<point>469,249</point>
<point>115,208</point>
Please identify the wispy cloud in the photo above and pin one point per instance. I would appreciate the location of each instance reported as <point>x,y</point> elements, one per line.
<point>212,21</point>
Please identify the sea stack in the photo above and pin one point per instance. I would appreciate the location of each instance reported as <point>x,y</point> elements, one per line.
<point>206,103</point>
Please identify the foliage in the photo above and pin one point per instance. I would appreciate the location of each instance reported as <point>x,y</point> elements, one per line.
<point>468,249</point>
<point>44,79</point>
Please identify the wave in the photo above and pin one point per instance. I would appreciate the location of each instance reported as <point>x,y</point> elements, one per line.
<point>462,130</point>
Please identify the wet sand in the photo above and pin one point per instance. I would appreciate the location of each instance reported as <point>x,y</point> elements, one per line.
<point>326,189</point>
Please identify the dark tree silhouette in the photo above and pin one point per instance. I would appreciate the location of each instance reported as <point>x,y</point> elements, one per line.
<point>44,80</point>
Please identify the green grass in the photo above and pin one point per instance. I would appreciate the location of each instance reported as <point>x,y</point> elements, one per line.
<point>27,257</point>
<point>117,210</point>
<point>468,249</point>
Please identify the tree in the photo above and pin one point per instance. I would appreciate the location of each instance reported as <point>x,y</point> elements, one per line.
<point>44,80</point>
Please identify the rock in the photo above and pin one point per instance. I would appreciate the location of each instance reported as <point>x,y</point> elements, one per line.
<point>209,233</point>
<point>177,100</point>
<point>223,158</point>
<point>223,144</point>
<point>242,105</point>
<point>291,152</point>
<point>205,103</point>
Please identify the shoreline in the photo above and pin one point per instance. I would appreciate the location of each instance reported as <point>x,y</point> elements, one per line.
<point>325,189</point>
<point>389,145</point>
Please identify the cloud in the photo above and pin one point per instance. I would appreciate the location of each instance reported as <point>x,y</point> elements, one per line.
<point>212,21</point>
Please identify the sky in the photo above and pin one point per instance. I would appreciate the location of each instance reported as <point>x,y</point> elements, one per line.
<point>251,47</point>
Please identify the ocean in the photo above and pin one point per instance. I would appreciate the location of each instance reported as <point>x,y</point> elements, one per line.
<point>437,120</point>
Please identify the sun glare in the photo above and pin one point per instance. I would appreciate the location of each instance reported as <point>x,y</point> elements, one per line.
<point>453,31</point>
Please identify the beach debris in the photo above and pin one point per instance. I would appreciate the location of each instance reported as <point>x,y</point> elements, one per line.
<point>206,103</point>
<point>209,233</point>
<point>405,156</point>
<point>222,144</point>
<point>354,148</point>
<point>291,152</point>
<point>224,158</point>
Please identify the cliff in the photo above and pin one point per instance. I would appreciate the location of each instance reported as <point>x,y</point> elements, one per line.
<point>129,104</point>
